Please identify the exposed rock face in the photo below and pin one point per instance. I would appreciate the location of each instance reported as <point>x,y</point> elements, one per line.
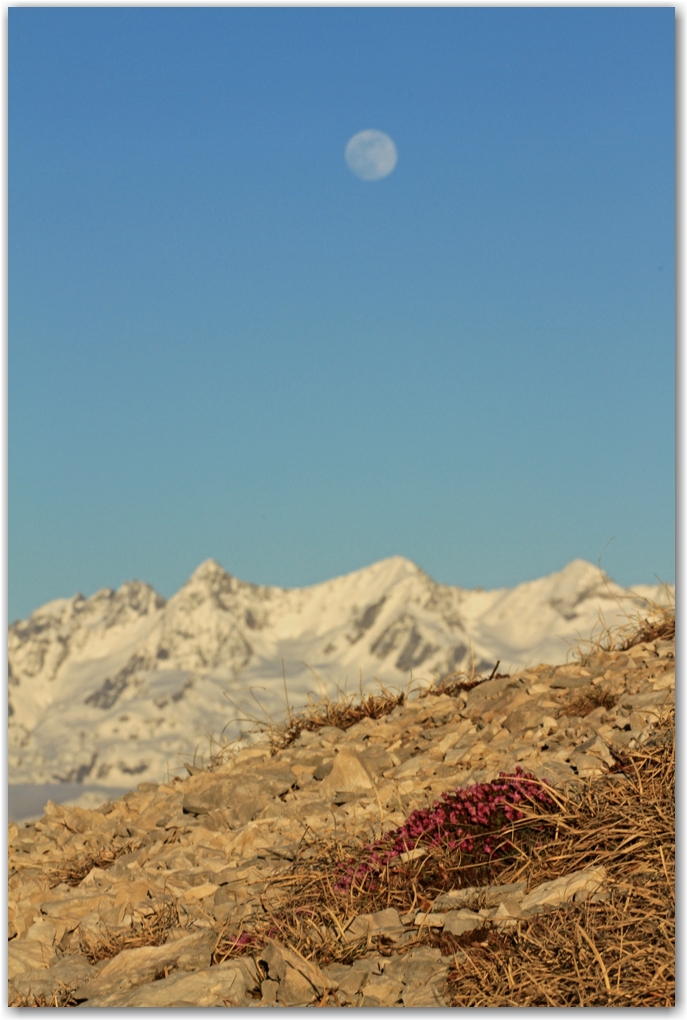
<point>207,847</point>
<point>116,686</point>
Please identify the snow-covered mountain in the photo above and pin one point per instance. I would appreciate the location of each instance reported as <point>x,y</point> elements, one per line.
<point>114,688</point>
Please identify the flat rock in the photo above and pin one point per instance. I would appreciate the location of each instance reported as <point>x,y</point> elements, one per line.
<point>655,699</point>
<point>485,895</point>
<point>382,922</point>
<point>577,886</point>
<point>69,972</point>
<point>419,964</point>
<point>523,719</point>
<point>381,990</point>
<point>28,955</point>
<point>228,984</point>
<point>457,922</point>
<point>138,966</point>
<point>421,994</point>
<point>241,796</point>
<point>570,683</point>
<point>597,747</point>
<point>348,774</point>
<point>291,971</point>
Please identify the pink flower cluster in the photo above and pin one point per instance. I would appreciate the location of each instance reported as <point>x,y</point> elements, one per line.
<point>457,822</point>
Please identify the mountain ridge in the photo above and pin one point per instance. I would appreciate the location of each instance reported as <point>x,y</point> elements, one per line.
<point>121,683</point>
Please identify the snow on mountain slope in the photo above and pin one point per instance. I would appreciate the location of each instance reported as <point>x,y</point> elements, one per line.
<point>118,685</point>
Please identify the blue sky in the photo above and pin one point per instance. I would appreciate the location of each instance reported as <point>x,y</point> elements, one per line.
<point>222,343</point>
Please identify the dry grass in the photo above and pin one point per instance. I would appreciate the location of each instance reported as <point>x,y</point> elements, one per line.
<point>660,626</point>
<point>586,700</point>
<point>620,952</point>
<point>346,711</point>
<point>151,930</point>
<point>343,713</point>
<point>307,910</point>
<point>616,952</point>
<point>454,683</point>
<point>74,869</point>
<point>657,623</point>
<point>62,996</point>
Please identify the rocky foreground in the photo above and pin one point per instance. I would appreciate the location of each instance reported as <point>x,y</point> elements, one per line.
<point>266,878</point>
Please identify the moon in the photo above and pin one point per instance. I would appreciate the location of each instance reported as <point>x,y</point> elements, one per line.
<point>371,155</point>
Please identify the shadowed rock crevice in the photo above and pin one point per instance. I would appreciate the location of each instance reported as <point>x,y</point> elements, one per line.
<point>112,689</point>
<point>367,619</point>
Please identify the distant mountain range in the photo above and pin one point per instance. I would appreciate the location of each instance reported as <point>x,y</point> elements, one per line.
<point>112,689</point>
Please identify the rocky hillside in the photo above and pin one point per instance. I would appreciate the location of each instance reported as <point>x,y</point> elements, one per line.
<point>112,689</point>
<point>517,828</point>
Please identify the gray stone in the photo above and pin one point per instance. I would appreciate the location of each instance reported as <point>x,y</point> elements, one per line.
<point>331,734</point>
<point>348,980</point>
<point>28,955</point>
<point>588,765</point>
<point>69,972</point>
<point>346,797</point>
<point>595,746</point>
<point>271,959</point>
<point>227,984</point>
<point>417,965</point>
<point>243,795</point>
<point>351,980</point>
<point>459,921</point>
<point>577,886</point>
<point>348,774</point>
<point>382,922</point>
<point>376,760</point>
<point>507,913</point>
<point>523,719</point>
<point>295,989</point>
<point>656,699</point>
<point>134,967</point>
<point>664,682</point>
<point>323,770</point>
<point>381,990</point>
<point>300,981</point>
<point>421,995</point>
<point>424,919</point>
<point>269,990</point>
<point>558,773</point>
<point>570,683</point>
<point>219,795</point>
<point>485,895</point>
<point>488,690</point>
<point>622,738</point>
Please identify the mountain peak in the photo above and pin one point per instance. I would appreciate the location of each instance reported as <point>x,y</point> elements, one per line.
<point>580,574</point>
<point>392,567</point>
<point>208,572</point>
<point>77,664</point>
